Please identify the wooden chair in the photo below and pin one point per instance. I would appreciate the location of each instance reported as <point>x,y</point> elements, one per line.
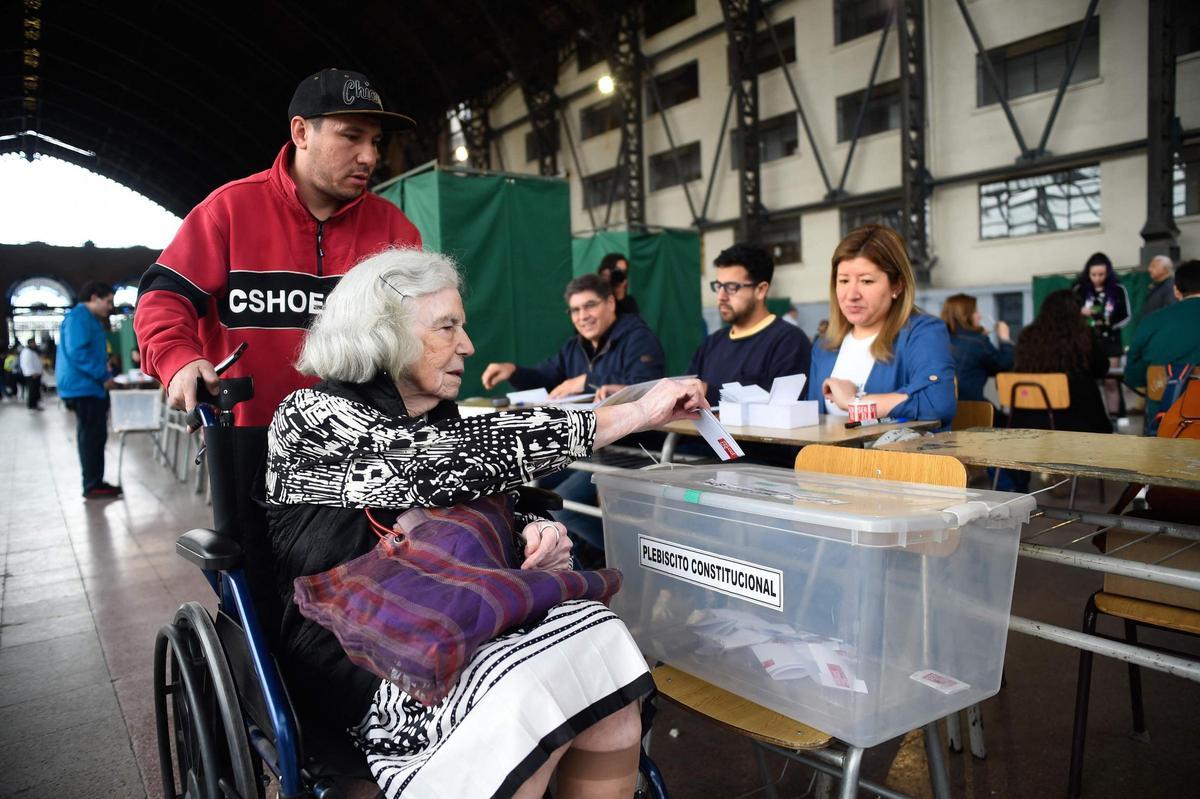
<point>1135,613</point>
<point>1034,391</point>
<point>973,413</point>
<point>768,729</point>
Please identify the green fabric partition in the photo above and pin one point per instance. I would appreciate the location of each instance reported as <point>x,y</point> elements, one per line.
<point>664,266</point>
<point>1136,283</point>
<point>511,234</point>
<point>779,305</point>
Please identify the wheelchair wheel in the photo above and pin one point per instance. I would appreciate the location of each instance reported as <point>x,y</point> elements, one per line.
<point>197,711</point>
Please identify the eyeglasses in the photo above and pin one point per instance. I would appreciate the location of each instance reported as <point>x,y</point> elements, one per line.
<point>731,287</point>
<point>587,307</point>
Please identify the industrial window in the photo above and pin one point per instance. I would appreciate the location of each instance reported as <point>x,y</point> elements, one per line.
<point>855,18</point>
<point>777,138</point>
<point>883,110</point>
<point>765,57</point>
<point>884,212</point>
<point>675,166</point>
<point>1037,64</point>
<point>598,188</point>
<point>674,87</point>
<point>531,153</point>
<point>662,14</point>
<point>1065,200</point>
<point>781,237</point>
<point>1187,182</point>
<point>587,54</point>
<point>599,118</point>
<point>1186,21</point>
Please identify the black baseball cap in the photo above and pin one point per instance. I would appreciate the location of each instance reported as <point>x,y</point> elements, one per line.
<point>341,91</point>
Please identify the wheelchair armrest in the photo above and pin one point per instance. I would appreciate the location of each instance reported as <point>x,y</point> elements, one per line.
<point>209,551</point>
<point>531,499</point>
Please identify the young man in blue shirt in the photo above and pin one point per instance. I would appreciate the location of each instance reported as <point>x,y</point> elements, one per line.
<point>83,378</point>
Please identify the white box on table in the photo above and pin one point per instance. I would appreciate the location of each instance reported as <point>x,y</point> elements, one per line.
<point>863,608</point>
<point>135,409</point>
<point>751,405</point>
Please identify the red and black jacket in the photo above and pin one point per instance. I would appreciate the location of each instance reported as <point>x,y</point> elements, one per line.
<point>252,264</point>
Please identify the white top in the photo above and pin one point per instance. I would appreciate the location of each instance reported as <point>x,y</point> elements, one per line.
<point>31,362</point>
<point>854,363</point>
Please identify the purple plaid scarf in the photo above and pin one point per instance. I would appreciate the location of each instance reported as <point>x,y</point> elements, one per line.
<point>416,607</point>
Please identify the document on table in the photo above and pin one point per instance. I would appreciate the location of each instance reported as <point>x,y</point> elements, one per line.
<point>540,396</point>
<point>636,391</point>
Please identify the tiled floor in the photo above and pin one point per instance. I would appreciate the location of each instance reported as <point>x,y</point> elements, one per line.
<point>87,584</point>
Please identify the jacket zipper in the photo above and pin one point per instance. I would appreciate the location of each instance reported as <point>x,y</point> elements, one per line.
<point>320,250</point>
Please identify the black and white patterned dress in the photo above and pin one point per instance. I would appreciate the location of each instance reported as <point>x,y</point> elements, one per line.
<point>338,448</point>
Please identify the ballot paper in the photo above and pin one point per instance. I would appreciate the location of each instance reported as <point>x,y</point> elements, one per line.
<point>534,396</point>
<point>938,681</point>
<point>634,392</point>
<point>717,436</point>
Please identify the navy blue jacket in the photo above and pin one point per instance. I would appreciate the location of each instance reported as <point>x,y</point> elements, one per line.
<point>921,367</point>
<point>778,350</point>
<point>629,353</point>
<point>976,359</point>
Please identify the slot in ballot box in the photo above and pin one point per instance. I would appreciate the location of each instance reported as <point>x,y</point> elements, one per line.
<point>864,608</point>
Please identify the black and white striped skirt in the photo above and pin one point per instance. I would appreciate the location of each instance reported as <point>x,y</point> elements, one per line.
<point>522,696</point>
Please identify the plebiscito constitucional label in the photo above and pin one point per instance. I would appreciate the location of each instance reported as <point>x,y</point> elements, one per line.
<point>742,579</point>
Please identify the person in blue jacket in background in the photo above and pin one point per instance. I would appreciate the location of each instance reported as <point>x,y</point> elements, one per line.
<point>609,348</point>
<point>879,346</point>
<point>83,379</point>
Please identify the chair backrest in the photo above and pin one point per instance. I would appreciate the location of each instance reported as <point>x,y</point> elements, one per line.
<point>910,467</point>
<point>973,413</point>
<point>1156,381</point>
<point>1033,390</point>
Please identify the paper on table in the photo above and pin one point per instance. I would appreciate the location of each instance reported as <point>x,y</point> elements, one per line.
<point>631,393</point>
<point>736,392</point>
<point>717,436</point>
<point>787,389</point>
<point>533,396</point>
<point>571,398</point>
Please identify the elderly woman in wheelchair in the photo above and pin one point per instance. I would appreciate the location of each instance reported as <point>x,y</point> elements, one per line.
<point>380,499</point>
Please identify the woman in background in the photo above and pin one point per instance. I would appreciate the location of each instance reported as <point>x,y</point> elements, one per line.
<point>975,357</point>
<point>1059,340</point>
<point>879,347</point>
<point>1106,309</point>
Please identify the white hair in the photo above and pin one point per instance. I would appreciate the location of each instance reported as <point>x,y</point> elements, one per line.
<point>367,324</point>
<point>1164,261</point>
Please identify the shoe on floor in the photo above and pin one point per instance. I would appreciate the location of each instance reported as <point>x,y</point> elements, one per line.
<point>103,491</point>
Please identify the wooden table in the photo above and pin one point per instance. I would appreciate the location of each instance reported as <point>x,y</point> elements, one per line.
<point>1124,459</point>
<point>830,430</point>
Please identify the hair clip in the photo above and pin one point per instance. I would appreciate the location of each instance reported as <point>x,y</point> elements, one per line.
<point>393,288</point>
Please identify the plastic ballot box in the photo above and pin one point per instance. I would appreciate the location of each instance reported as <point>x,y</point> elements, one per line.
<point>864,608</point>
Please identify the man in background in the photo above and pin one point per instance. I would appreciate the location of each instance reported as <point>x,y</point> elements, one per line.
<point>1162,285</point>
<point>31,367</point>
<point>607,349</point>
<point>83,379</point>
<point>1171,336</point>
<point>757,346</point>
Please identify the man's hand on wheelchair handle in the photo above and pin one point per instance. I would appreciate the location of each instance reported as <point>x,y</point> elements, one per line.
<point>181,392</point>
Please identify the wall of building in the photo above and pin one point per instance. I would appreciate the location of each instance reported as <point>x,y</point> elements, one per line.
<point>1105,112</point>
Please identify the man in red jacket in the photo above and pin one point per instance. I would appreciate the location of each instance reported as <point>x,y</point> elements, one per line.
<point>254,261</point>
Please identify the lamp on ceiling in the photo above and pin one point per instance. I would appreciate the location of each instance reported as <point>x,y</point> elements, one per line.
<point>606,84</point>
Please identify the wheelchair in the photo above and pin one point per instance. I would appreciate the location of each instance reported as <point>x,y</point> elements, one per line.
<point>226,727</point>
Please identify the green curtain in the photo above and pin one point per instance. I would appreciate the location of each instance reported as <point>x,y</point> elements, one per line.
<point>512,236</point>
<point>664,277</point>
<point>1136,283</point>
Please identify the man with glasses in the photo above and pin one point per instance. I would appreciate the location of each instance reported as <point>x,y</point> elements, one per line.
<point>757,346</point>
<point>609,349</point>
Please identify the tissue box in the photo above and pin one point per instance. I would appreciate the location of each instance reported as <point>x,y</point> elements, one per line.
<point>798,413</point>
